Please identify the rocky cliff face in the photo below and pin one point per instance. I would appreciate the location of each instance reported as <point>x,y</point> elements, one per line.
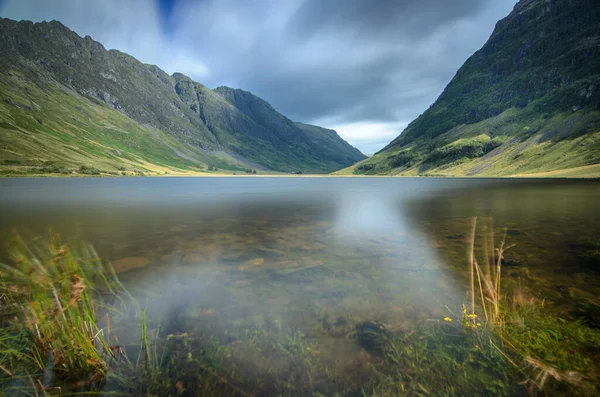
<point>534,84</point>
<point>200,124</point>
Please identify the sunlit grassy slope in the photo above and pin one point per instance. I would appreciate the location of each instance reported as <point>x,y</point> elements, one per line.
<point>527,102</point>
<point>513,143</point>
<point>65,130</point>
<point>68,102</point>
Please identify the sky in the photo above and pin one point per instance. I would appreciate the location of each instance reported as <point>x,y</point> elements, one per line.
<point>365,68</point>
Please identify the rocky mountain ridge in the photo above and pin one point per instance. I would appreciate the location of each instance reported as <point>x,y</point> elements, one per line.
<point>528,101</point>
<point>192,125</point>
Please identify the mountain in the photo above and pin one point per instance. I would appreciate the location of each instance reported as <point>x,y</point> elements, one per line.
<point>333,145</point>
<point>68,103</point>
<point>527,102</point>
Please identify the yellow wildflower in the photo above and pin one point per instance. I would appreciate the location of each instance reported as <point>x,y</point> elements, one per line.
<point>448,319</point>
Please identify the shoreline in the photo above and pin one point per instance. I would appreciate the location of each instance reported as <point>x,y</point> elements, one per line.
<point>199,175</point>
<point>583,172</point>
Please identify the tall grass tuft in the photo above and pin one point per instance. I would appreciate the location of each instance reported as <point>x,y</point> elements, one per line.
<point>488,288</point>
<point>51,294</point>
<point>149,359</point>
<point>548,346</point>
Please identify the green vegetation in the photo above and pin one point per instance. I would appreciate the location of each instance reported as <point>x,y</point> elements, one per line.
<point>554,352</point>
<point>59,313</point>
<point>331,144</point>
<point>468,148</point>
<point>526,102</point>
<point>98,139</point>
<point>68,316</point>
<point>504,145</point>
<point>501,345</point>
<point>88,170</point>
<point>66,100</point>
<point>450,359</point>
<point>51,319</point>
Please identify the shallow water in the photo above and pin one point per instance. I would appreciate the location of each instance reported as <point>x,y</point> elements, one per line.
<point>232,261</point>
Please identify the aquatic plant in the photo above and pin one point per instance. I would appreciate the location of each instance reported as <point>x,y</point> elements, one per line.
<point>496,344</point>
<point>52,322</point>
<point>499,343</point>
<point>538,343</point>
<point>442,360</point>
<point>488,278</point>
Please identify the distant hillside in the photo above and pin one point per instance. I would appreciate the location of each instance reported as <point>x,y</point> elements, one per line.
<point>66,102</point>
<point>331,143</point>
<point>527,102</point>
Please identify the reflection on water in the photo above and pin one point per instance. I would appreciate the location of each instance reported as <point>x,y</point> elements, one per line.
<point>223,258</point>
<point>554,224</point>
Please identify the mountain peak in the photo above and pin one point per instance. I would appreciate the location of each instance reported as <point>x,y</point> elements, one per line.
<point>228,91</point>
<point>180,76</point>
<point>246,101</point>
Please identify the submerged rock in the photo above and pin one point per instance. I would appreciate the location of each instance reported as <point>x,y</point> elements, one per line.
<point>370,335</point>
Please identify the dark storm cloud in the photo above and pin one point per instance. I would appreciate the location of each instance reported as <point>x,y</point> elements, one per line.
<point>371,18</point>
<point>377,88</point>
<point>342,62</point>
<point>366,68</point>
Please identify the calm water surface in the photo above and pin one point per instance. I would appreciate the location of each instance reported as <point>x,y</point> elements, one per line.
<point>222,259</point>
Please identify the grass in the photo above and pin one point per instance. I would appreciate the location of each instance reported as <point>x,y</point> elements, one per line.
<point>510,94</point>
<point>69,131</point>
<point>499,343</point>
<point>588,171</point>
<point>553,348</point>
<point>75,113</point>
<point>57,322</point>
<point>441,360</point>
<point>516,142</point>
<point>53,317</point>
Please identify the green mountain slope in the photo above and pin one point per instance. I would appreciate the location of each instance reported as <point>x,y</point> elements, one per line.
<point>66,102</point>
<point>528,101</point>
<point>331,144</point>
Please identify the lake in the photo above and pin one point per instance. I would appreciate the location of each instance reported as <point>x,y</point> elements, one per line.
<point>274,283</point>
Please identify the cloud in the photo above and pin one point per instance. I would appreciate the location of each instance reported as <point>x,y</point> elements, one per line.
<point>132,26</point>
<point>364,67</point>
<point>370,136</point>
